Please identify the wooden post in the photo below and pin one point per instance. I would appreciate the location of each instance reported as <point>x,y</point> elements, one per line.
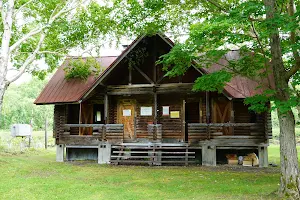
<point>154,60</point>
<point>155,108</point>
<point>183,119</point>
<point>232,117</point>
<point>200,110</point>
<point>106,109</point>
<point>130,76</point>
<point>207,107</point>
<point>80,113</point>
<point>134,123</point>
<point>186,155</point>
<point>46,134</point>
<point>207,113</point>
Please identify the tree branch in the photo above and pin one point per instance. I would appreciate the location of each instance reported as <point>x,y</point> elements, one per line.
<point>67,8</point>
<point>24,38</point>
<point>262,50</point>
<point>296,67</point>
<point>52,18</point>
<point>29,59</point>
<point>23,6</point>
<point>217,5</point>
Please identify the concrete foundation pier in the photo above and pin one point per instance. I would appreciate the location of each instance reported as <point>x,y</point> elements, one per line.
<point>209,155</point>
<point>60,149</point>
<point>104,152</point>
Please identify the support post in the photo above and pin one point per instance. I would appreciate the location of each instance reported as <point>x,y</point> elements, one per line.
<point>60,152</point>
<point>263,156</point>
<point>104,153</point>
<point>232,117</point>
<point>106,108</point>
<point>207,107</point>
<point>130,76</point>
<point>209,155</point>
<point>200,110</point>
<point>155,108</point>
<point>154,61</point>
<point>183,121</point>
<point>46,134</point>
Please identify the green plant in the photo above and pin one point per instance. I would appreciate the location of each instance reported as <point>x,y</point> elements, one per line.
<point>82,69</point>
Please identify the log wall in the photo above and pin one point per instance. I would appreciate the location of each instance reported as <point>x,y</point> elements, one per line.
<point>60,118</point>
<point>171,127</point>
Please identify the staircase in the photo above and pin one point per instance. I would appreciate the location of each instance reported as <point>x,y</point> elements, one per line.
<point>152,154</point>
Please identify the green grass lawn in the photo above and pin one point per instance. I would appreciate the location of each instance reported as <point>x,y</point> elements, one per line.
<point>35,175</point>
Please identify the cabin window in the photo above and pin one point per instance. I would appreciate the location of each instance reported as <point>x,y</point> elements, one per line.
<point>166,110</point>
<point>146,111</point>
<point>98,116</point>
<point>98,110</point>
<point>126,113</point>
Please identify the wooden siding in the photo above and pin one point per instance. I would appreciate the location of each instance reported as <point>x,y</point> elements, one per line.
<point>60,118</point>
<point>143,121</point>
<point>171,127</point>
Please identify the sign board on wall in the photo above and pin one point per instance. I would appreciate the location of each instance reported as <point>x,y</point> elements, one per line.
<point>127,113</point>
<point>174,114</point>
<point>166,110</point>
<point>146,111</point>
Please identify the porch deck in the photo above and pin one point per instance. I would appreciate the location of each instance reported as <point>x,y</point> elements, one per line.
<point>198,134</point>
<point>154,150</point>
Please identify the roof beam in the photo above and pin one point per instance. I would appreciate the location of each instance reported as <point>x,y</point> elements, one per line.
<point>143,74</point>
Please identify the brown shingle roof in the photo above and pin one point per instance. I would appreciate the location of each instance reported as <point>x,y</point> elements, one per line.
<point>60,90</point>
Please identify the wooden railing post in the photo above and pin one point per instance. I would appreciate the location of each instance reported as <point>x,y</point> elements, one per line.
<point>208,130</point>
<point>104,133</point>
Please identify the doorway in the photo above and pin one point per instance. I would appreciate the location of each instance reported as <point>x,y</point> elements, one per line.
<point>125,116</point>
<point>192,115</point>
<point>221,113</point>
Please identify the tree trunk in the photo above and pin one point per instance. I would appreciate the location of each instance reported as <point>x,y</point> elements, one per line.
<point>289,181</point>
<point>3,87</point>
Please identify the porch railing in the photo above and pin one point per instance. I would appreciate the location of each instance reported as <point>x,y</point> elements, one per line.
<point>103,132</point>
<point>154,132</point>
<point>226,131</point>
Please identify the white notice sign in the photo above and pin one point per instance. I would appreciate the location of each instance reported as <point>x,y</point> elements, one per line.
<point>127,113</point>
<point>166,110</point>
<point>146,111</point>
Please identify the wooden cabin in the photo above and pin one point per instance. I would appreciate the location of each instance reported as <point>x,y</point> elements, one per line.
<point>132,113</point>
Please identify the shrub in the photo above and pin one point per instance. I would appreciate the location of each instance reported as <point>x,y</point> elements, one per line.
<point>82,69</point>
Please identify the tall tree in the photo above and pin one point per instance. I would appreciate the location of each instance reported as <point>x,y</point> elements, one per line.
<point>46,30</point>
<point>266,36</point>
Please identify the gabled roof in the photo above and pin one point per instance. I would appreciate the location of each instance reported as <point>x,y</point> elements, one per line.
<point>59,90</point>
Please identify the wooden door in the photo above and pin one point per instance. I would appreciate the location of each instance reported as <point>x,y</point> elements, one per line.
<point>86,118</point>
<point>126,112</point>
<point>221,113</point>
